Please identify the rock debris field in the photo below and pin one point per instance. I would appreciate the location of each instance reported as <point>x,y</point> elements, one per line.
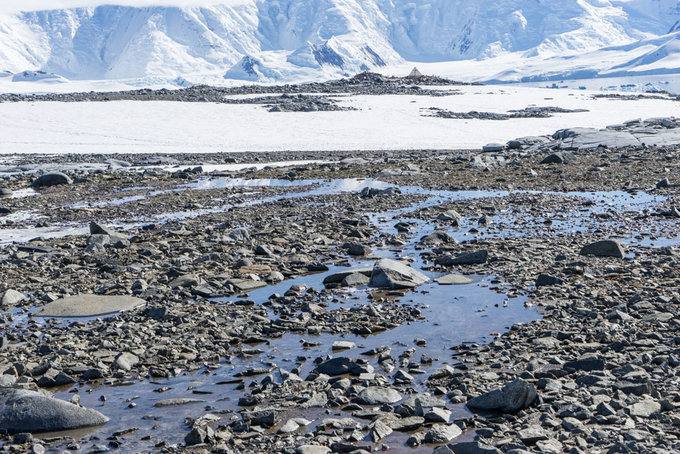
<point>520,298</point>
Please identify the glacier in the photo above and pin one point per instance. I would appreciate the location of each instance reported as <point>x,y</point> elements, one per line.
<point>302,40</point>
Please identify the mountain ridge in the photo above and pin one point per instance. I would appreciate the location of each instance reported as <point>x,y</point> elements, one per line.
<point>289,40</point>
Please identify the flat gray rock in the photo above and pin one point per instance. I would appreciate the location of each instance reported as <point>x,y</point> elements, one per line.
<point>453,279</point>
<point>30,411</point>
<point>391,274</point>
<point>176,402</point>
<point>374,395</point>
<point>89,306</point>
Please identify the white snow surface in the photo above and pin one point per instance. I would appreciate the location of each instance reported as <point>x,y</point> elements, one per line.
<point>147,42</point>
<point>382,123</point>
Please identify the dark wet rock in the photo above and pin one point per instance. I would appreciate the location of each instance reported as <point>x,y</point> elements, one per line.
<point>337,278</point>
<point>665,183</point>
<point>336,366</point>
<point>561,157</point>
<point>30,411</point>
<point>586,363</point>
<point>51,179</point>
<point>438,237</point>
<point>544,280</point>
<point>357,249</point>
<point>391,274</point>
<point>89,306</point>
<point>373,192</point>
<point>200,435</point>
<point>604,248</point>
<point>466,258</point>
<point>513,397</point>
<point>264,418</point>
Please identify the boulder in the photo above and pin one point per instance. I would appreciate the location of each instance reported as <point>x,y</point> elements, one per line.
<point>88,306</point>
<point>11,297</point>
<point>391,274</point>
<point>374,395</point>
<point>511,398</point>
<point>438,237</point>
<point>51,179</point>
<point>604,248</point>
<point>466,258</point>
<point>4,192</point>
<point>30,411</point>
<point>335,366</point>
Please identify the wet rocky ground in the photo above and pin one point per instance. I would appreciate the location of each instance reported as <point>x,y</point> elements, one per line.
<point>522,299</point>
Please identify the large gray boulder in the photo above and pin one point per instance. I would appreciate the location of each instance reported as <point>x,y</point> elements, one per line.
<point>375,395</point>
<point>604,248</point>
<point>511,398</point>
<point>391,274</point>
<point>51,179</point>
<point>30,411</point>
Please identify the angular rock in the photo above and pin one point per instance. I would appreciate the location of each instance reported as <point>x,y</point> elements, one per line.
<point>513,397</point>
<point>442,433</point>
<point>391,274</point>
<point>604,248</point>
<point>561,157</point>
<point>11,297</point>
<point>30,411</point>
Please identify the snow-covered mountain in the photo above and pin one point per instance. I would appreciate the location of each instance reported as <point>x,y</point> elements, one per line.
<point>273,40</point>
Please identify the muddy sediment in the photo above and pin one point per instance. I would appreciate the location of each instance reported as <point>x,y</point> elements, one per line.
<point>272,323</point>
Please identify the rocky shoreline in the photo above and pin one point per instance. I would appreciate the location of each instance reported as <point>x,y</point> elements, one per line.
<point>301,308</point>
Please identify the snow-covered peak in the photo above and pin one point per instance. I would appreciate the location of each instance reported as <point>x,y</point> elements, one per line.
<point>270,40</point>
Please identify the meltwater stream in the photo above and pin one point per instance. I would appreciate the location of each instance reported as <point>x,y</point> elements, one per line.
<point>454,315</point>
